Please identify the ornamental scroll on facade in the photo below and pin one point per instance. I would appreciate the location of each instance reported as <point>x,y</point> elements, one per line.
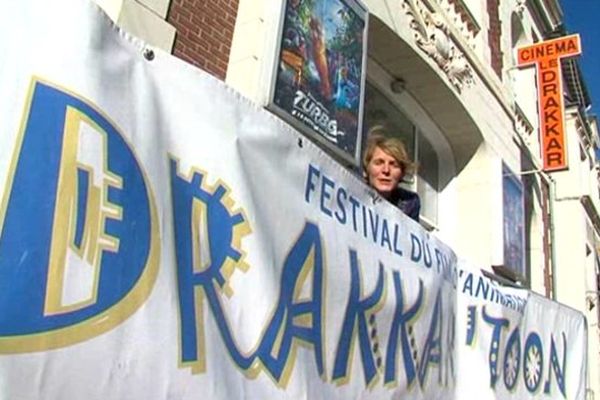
<point>432,35</point>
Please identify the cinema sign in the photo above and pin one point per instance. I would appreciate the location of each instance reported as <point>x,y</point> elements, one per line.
<point>546,56</point>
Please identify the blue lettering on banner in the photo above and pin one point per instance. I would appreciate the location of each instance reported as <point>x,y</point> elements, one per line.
<point>420,251</point>
<point>201,214</point>
<point>499,324</point>
<point>89,255</point>
<point>360,322</point>
<point>471,324</point>
<point>518,359</point>
<point>358,312</point>
<point>451,348</point>
<point>327,185</point>
<point>483,288</point>
<point>340,213</point>
<point>296,321</point>
<point>335,201</point>
<point>207,248</point>
<point>556,367</point>
<point>403,316</point>
<point>432,353</point>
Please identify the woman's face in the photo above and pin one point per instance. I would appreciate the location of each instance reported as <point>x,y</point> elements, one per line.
<point>384,172</point>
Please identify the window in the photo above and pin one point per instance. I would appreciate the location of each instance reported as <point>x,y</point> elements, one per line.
<point>380,110</point>
<point>427,179</point>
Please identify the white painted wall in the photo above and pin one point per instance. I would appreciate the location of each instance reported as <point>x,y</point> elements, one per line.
<point>575,248</point>
<point>142,18</point>
<point>478,209</point>
<point>254,48</point>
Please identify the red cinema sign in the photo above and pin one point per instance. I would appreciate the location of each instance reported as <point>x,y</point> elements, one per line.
<point>546,57</point>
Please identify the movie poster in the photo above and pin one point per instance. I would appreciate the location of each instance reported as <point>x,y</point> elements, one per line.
<point>514,222</point>
<point>319,76</point>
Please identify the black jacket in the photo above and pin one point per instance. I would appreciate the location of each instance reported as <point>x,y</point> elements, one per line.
<point>409,202</point>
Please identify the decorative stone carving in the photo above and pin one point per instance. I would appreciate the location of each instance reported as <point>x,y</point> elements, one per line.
<point>522,126</point>
<point>433,37</point>
<point>461,18</point>
<point>520,7</point>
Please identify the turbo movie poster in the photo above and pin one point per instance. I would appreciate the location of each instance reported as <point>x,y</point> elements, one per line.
<point>319,75</point>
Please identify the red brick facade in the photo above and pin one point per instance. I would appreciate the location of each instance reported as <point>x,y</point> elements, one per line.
<point>494,35</point>
<point>204,32</point>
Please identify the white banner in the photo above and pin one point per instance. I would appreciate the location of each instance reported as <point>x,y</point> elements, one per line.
<point>163,238</point>
<point>515,344</point>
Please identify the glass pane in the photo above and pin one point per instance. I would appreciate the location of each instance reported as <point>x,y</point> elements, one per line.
<point>427,180</point>
<point>379,110</point>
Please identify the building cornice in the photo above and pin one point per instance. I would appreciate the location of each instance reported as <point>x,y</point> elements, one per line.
<point>464,58</point>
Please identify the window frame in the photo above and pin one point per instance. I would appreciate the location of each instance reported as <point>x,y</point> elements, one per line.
<point>375,81</point>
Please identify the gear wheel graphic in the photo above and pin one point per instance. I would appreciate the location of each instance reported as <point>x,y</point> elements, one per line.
<point>533,369</point>
<point>512,360</point>
<point>224,228</point>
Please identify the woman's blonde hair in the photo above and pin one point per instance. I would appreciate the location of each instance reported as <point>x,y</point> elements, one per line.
<point>392,146</point>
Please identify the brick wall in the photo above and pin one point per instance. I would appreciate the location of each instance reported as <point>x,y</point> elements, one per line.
<point>204,32</point>
<point>494,35</point>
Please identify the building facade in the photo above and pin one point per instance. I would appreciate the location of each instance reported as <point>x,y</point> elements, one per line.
<point>443,75</point>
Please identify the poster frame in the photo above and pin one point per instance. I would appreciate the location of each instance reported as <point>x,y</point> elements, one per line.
<point>513,191</point>
<point>348,158</point>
